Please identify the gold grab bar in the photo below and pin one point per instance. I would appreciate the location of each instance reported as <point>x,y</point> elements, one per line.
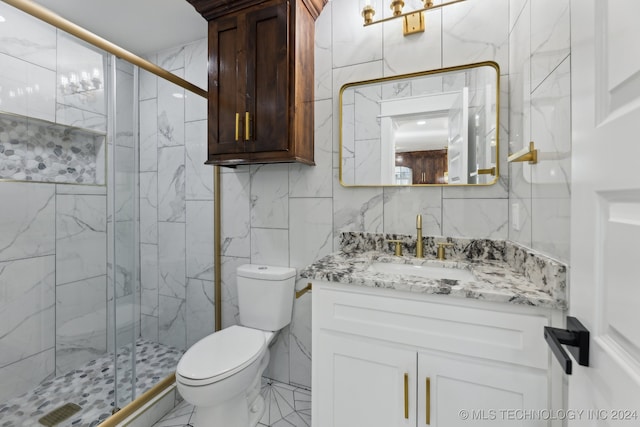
<point>406,396</point>
<point>527,154</point>
<point>303,290</point>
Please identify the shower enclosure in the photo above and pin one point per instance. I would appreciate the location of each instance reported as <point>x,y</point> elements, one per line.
<point>93,266</point>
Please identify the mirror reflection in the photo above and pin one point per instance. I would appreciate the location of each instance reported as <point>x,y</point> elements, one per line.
<point>432,128</point>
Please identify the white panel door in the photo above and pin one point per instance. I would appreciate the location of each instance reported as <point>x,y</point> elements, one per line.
<point>362,383</point>
<point>605,209</point>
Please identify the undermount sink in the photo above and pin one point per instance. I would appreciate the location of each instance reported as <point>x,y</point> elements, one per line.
<point>426,271</point>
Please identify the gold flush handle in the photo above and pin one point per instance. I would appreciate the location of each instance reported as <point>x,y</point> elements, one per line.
<point>406,396</point>
<point>398,247</point>
<point>441,254</point>
<point>304,290</point>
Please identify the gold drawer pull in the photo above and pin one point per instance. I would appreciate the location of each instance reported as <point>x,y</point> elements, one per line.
<point>237,126</point>
<point>247,126</point>
<point>428,415</point>
<point>406,396</point>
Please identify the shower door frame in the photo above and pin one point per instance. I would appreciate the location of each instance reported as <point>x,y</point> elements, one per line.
<point>113,131</point>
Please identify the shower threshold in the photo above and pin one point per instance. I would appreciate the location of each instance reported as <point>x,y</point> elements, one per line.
<point>90,386</point>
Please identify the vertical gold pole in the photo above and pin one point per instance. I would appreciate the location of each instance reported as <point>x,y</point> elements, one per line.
<point>406,396</point>
<point>217,248</point>
<point>428,415</point>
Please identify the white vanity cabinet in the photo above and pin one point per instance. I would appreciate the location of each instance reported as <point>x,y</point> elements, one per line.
<point>389,358</point>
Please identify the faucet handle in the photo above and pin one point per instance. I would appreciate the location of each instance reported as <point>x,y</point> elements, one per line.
<point>398,249</point>
<point>441,254</point>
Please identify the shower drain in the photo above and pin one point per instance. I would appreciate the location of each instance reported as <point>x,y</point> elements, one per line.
<point>59,415</point>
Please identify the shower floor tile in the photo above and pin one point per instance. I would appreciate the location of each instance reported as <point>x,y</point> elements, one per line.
<point>286,406</point>
<point>91,387</point>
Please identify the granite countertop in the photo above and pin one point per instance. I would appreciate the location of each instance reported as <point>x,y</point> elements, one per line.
<point>496,280</point>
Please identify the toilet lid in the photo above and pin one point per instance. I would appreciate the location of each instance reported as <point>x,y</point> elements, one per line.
<point>222,354</point>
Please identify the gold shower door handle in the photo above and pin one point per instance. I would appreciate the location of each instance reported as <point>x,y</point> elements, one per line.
<point>237,126</point>
<point>406,396</point>
<point>428,402</point>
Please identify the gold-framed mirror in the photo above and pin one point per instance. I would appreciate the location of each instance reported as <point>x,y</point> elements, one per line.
<point>437,127</point>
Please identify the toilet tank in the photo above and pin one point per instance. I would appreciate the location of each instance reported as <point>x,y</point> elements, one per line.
<point>265,296</point>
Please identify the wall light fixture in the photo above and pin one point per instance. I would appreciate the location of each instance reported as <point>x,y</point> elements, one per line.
<point>413,22</point>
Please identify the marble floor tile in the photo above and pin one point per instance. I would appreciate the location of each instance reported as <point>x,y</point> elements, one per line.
<point>286,406</point>
<point>91,386</point>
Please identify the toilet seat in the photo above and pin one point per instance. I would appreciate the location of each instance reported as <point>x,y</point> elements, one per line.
<point>220,355</point>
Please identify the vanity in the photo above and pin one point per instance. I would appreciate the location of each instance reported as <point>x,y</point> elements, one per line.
<point>406,341</point>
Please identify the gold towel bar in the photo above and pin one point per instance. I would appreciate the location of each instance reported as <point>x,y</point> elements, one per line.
<point>527,154</point>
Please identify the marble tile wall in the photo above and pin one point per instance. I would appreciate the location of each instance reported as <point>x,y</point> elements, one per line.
<point>56,244</point>
<point>53,237</point>
<point>176,202</point>
<point>540,91</point>
<point>291,215</point>
<point>319,208</point>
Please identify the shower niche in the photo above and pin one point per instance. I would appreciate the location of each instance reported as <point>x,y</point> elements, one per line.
<point>36,150</point>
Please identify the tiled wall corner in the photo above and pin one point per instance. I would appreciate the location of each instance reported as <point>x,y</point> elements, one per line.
<point>540,111</point>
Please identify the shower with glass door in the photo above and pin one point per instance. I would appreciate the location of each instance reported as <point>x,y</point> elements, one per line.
<point>79,323</point>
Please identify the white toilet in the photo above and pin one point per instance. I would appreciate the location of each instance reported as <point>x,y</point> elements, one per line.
<point>221,374</point>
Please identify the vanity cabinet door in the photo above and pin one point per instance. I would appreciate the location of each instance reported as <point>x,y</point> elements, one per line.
<point>361,382</point>
<point>455,391</point>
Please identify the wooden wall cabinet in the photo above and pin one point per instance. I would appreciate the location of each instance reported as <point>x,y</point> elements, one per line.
<point>427,167</point>
<point>261,68</point>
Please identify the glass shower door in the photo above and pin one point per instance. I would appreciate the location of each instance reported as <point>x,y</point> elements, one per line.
<point>123,226</point>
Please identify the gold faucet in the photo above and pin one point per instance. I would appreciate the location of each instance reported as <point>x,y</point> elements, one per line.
<point>419,253</point>
<point>441,254</point>
<point>398,250</point>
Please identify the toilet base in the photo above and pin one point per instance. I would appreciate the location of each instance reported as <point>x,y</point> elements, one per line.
<point>244,406</point>
<point>233,413</point>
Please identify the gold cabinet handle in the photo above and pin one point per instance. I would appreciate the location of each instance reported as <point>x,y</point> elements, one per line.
<point>247,127</point>
<point>406,396</point>
<point>237,126</point>
<point>428,406</point>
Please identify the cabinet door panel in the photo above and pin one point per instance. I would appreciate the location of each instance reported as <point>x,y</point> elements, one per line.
<point>267,77</point>
<point>362,383</point>
<point>495,394</point>
<point>226,86</point>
